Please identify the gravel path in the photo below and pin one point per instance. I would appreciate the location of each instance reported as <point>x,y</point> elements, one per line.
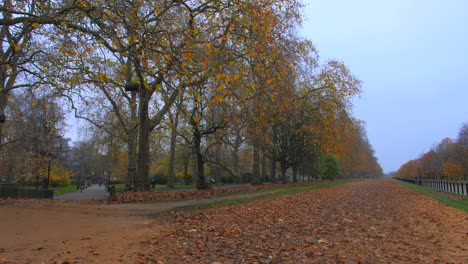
<point>374,221</point>
<point>93,192</point>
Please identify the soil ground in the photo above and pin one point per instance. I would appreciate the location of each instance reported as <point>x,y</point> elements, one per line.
<point>374,221</point>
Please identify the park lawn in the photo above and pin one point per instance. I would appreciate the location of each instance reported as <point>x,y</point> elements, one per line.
<point>159,187</point>
<point>64,189</point>
<point>453,200</point>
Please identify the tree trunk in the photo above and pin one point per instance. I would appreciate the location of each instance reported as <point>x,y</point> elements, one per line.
<point>235,166</point>
<point>3,104</point>
<point>199,172</point>
<point>256,165</point>
<point>284,169</point>
<point>193,157</point>
<point>171,174</point>
<point>187,179</point>
<point>272,170</point>
<point>294,169</point>
<point>142,172</point>
<point>132,144</point>
<point>263,166</point>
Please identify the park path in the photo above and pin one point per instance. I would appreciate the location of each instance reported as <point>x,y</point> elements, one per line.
<point>96,192</point>
<point>373,221</point>
<point>93,192</point>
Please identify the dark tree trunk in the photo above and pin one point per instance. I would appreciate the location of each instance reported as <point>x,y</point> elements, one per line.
<point>272,170</point>
<point>264,168</point>
<point>193,157</point>
<point>171,174</point>
<point>132,144</point>
<point>142,172</point>
<point>284,169</point>
<point>294,169</point>
<point>235,170</point>
<point>187,178</point>
<point>199,172</point>
<point>256,165</point>
<point>3,105</point>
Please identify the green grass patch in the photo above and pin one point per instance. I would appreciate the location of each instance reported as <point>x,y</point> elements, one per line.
<point>288,189</point>
<point>64,189</point>
<point>176,187</point>
<point>453,200</point>
<point>159,187</point>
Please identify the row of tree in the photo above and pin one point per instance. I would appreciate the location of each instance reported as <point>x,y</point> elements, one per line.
<point>206,83</point>
<point>448,160</point>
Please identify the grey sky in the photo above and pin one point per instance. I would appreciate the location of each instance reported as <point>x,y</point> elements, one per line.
<point>412,56</point>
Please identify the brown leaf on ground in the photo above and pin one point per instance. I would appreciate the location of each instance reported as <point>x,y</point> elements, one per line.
<point>374,221</point>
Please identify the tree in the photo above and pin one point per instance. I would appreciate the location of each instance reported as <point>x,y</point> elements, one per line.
<point>332,166</point>
<point>34,138</point>
<point>448,159</point>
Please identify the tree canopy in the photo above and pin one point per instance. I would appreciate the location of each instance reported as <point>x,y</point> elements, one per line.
<point>226,87</point>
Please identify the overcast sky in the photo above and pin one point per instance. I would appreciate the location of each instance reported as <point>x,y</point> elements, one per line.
<point>412,57</point>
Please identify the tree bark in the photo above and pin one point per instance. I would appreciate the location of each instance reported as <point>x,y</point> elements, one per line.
<point>142,172</point>
<point>264,175</point>
<point>294,169</point>
<point>132,144</point>
<point>284,169</point>
<point>171,174</point>
<point>272,170</point>
<point>256,165</point>
<point>235,167</point>
<point>200,175</point>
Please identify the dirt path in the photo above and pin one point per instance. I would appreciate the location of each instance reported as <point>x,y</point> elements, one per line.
<point>93,192</point>
<point>59,231</point>
<point>374,221</point>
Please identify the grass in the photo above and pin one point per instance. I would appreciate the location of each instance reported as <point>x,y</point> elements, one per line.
<point>159,187</point>
<point>272,193</point>
<point>119,188</point>
<point>64,189</point>
<point>453,200</point>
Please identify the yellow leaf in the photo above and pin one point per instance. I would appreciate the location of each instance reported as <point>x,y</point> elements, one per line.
<point>217,99</point>
<point>100,76</point>
<point>220,88</point>
<point>35,25</point>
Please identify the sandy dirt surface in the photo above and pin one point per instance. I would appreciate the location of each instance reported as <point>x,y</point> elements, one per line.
<point>36,231</point>
<point>375,221</point>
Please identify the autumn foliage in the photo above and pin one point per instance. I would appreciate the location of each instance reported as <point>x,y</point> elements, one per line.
<point>448,160</point>
<point>234,84</point>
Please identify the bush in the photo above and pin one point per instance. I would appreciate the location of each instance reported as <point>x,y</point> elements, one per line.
<point>246,177</point>
<point>159,178</point>
<point>226,178</point>
<point>60,176</point>
<point>332,166</point>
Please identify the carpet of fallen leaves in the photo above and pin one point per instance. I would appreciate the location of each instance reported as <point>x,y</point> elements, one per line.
<point>143,196</point>
<point>374,221</point>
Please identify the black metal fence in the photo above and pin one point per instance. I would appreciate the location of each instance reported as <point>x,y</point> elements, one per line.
<point>11,190</point>
<point>456,187</point>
